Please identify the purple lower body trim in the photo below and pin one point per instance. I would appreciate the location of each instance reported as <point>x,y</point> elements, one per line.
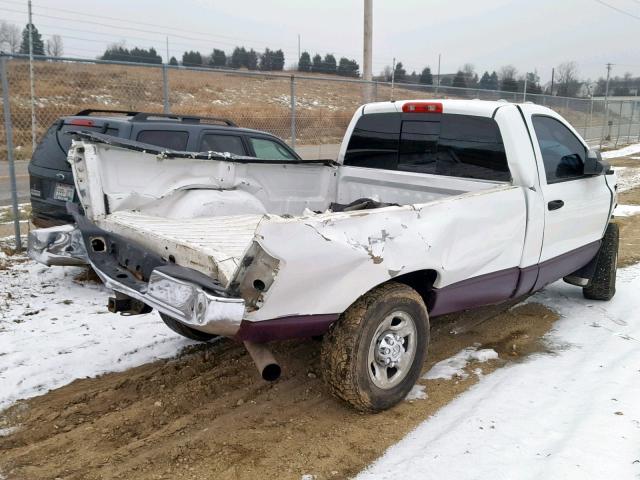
<point>295,326</point>
<point>515,282</point>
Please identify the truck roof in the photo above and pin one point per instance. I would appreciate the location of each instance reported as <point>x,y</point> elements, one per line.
<point>480,108</point>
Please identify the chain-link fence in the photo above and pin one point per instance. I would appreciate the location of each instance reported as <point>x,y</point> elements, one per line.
<point>306,111</point>
<point>310,112</point>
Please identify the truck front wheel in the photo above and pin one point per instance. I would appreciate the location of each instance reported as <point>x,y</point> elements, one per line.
<point>603,283</point>
<point>373,354</point>
<point>186,331</point>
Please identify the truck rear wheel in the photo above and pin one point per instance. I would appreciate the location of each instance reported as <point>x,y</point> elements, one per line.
<point>372,356</point>
<point>186,331</point>
<point>603,283</point>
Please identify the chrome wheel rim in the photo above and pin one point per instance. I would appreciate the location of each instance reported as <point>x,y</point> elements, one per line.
<point>392,350</point>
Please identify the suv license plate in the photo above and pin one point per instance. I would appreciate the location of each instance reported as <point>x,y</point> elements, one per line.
<point>64,192</point>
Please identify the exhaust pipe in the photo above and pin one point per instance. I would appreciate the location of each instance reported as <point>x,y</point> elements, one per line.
<point>262,357</point>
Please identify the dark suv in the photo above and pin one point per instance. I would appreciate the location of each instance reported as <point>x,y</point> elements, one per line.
<point>51,178</point>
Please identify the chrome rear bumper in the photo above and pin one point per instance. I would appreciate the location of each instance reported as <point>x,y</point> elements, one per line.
<point>61,245</point>
<point>185,301</point>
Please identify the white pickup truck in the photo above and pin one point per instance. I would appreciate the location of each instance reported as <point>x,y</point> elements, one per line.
<point>432,207</point>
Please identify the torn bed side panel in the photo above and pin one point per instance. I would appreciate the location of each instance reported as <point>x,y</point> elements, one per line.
<point>328,260</point>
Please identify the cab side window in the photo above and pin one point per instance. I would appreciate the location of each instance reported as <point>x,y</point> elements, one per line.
<point>563,154</point>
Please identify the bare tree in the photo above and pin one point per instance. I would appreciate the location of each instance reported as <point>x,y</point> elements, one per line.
<point>568,84</point>
<point>508,80</point>
<point>469,71</point>
<point>9,37</point>
<point>54,46</point>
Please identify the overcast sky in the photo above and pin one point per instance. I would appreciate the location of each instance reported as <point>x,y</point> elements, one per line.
<point>489,33</point>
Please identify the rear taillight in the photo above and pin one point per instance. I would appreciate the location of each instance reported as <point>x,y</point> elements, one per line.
<point>422,107</point>
<point>81,122</point>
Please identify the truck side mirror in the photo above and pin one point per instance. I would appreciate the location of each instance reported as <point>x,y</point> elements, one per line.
<point>594,165</point>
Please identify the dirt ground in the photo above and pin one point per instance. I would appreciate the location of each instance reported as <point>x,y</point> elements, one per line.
<point>207,415</point>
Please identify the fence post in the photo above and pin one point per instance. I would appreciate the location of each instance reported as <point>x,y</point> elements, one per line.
<point>9,132</point>
<point>619,123</point>
<point>293,112</point>
<point>633,110</point>
<point>166,108</point>
<point>375,91</point>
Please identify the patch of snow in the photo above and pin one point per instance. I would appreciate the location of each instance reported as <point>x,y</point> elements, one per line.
<point>307,476</point>
<point>54,330</point>
<point>622,152</point>
<point>626,210</point>
<point>573,414</point>
<point>454,366</point>
<point>7,431</point>
<point>417,393</point>
<point>628,178</point>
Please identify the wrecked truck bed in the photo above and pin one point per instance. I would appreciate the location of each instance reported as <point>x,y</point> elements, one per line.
<point>294,263</point>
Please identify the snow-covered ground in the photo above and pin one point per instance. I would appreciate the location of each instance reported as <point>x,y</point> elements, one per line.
<point>54,330</point>
<point>572,414</point>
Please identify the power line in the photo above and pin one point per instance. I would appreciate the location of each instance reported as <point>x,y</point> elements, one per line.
<point>619,10</point>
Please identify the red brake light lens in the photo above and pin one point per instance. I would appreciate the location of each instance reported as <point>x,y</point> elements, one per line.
<point>422,107</point>
<point>81,123</point>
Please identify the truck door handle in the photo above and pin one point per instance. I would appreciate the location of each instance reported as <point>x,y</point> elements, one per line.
<point>555,204</point>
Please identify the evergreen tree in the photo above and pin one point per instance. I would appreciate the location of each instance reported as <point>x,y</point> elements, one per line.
<point>304,63</point>
<point>239,58</point>
<point>329,64</point>
<point>485,81</point>
<point>191,58</point>
<point>218,58</point>
<point>266,60</point>
<point>119,53</point>
<point>173,61</point>
<point>399,72</point>
<point>316,65</point>
<point>252,60</point>
<point>494,84</point>
<point>348,68</point>
<point>38,44</point>
<point>278,60</point>
<point>425,77</point>
<point>460,80</point>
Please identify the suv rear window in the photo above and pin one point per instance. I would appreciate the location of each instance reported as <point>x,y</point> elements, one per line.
<point>174,140</point>
<point>222,143</point>
<point>51,152</point>
<point>454,145</point>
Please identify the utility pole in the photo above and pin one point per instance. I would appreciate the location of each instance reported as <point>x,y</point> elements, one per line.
<point>438,82</point>
<point>606,104</point>
<point>31,81</point>
<point>393,76</point>
<point>524,94</point>
<point>298,50</point>
<point>367,73</point>
<point>553,74</point>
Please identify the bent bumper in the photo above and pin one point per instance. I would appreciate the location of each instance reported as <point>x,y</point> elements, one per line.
<point>186,295</point>
<point>61,245</point>
<point>184,301</point>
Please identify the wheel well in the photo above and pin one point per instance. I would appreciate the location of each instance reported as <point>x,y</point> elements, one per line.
<point>422,282</point>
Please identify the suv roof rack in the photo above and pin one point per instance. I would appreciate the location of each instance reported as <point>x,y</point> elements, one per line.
<point>145,117</point>
<point>89,111</point>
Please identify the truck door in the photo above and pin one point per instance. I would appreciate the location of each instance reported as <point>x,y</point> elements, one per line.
<point>577,205</point>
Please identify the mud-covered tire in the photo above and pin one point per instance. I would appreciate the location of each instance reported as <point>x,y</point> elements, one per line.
<point>185,331</point>
<point>345,357</point>
<point>603,283</point>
